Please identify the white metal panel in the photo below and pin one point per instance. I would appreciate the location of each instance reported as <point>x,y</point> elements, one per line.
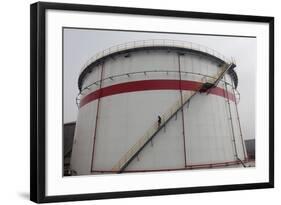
<point>140,76</point>
<point>92,77</point>
<point>186,62</point>
<point>82,149</point>
<point>212,68</point>
<point>207,139</point>
<point>166,151</point>
<point>196,64</point>
<point>124,119</point>
<point>225,129</point>
<point>141,61</point>
<point>203,65</point>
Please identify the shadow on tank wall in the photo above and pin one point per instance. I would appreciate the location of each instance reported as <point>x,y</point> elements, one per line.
<point>251,148</point>
<point>68,135</point>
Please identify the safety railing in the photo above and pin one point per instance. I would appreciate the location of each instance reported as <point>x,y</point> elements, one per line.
<point>156,43</point>
<point>111,78</point>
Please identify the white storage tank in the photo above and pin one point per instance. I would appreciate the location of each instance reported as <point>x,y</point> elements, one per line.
<point>157,105</point>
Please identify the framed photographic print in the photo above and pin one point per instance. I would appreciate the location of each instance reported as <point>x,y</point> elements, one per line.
<point>129,102</point>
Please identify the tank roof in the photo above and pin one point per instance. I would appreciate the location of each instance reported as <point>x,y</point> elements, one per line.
<point>182,46</point>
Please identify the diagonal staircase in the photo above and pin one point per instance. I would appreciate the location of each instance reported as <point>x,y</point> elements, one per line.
<point>166,117</point>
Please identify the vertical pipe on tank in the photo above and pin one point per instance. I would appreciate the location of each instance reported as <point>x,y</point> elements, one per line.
<point>230,117</point>
<point>239,124</point>
<point>97,116</point>
<point>183,128</point>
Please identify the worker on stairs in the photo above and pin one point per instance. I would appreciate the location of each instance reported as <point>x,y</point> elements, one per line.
<point>159,121</point>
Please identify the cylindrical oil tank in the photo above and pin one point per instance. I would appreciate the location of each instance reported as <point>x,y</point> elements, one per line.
<point>157,105</point>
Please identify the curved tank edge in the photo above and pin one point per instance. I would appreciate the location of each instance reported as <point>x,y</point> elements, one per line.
<point>89,68</point>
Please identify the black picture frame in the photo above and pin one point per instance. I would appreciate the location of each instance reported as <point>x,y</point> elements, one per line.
<point>38,101</point>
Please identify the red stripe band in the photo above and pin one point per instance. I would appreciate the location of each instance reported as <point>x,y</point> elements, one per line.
<point>143,85</point>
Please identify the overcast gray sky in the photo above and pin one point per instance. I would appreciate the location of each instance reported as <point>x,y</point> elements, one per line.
<point>80,45</point>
